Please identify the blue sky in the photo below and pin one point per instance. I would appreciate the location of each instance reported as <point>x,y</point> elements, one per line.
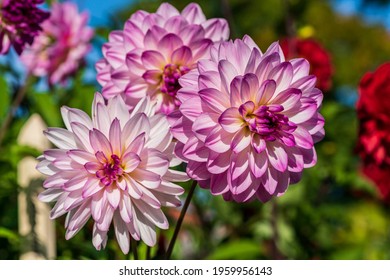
<point>100,10</point>
<point>372,14</point>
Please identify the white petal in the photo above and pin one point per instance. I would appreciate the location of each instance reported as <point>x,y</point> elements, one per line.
<point>60,137</point>
<point>121,233</point>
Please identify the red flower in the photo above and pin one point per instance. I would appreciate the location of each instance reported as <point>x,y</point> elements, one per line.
<point>373,109</point>
<point>317,56</point>
<point>380,176</point>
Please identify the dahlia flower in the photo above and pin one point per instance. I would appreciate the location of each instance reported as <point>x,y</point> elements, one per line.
<point>373,109</point>
<point>19,23</point>
<point>318,57</point>
<point>113,168</point>
<point>248,121</point>
<point>154,50</point>
<point>59,49</point>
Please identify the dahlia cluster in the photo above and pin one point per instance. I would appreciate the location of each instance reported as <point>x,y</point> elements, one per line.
<point>244,122</point>
<point>19,23</point>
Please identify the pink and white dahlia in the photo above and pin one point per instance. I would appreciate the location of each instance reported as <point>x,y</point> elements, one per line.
<point>60,48</point>
<point>113,168</point>
<point>154,50</point>
<point>248,121</point>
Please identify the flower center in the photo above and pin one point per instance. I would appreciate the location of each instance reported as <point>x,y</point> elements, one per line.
<point>170,78</point>
<point>266,121</point>
<point>111,171</point>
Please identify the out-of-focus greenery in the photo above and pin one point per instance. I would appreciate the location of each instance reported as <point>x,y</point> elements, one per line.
<point>333,213</point>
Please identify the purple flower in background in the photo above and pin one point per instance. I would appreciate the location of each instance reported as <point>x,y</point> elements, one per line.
<point>154,50</point>
<point>60,48</point>
<point>19,23</point>
<point>248,121</point>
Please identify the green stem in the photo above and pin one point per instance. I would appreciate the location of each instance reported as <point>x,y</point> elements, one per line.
<point>289,27</point>
<point>275,235</point>
<point>180,220</point>
<point>20,94</point>
<point>148,252</point>
<point>225,8</point>
<point>134,248</point>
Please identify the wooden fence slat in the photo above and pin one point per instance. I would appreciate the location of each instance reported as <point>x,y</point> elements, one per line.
<point>34,222</point>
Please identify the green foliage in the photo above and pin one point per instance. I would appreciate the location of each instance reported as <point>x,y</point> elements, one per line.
<point>46,105</point>
<point>4,98</point>
<point>236,250</point>
<point>356,47</point>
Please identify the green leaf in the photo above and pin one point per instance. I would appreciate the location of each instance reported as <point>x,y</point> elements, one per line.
<point>82,97</point>
<point>9,235</point>
<point>47,108</point>
<point>4,98</point>
<point>18,152</point>
<point>238,249</point>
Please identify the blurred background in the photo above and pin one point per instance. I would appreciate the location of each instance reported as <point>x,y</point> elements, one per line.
<point>335,212</point>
